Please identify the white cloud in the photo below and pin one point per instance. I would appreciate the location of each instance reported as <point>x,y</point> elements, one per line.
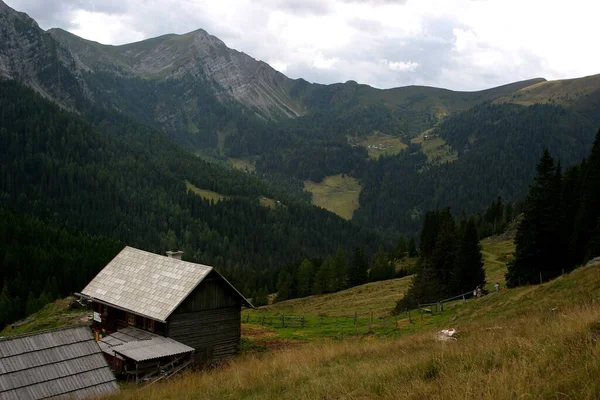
<point>458,44</point>
<point>402,66</point>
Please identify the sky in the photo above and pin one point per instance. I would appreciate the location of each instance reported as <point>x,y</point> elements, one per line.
<point>455,44</point>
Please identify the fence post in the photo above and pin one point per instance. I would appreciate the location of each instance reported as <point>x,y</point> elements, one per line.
<point>442,306</point>
<point>302,321</point>
<point>563,271</point>
<point>263,320</point>
<point>464,300</point>
<point>408,315</point>
<point>247,317</point>
<point>282,321</point>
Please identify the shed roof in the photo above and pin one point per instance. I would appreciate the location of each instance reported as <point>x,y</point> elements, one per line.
<point>140,345</point>
<point>148,284</point>
<point>63,362</point>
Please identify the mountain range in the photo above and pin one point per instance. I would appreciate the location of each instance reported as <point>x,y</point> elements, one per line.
<point>222,104</point>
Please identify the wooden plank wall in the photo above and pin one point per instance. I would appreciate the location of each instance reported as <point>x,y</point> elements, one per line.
<point>212,293</point>
<point>215,334</point>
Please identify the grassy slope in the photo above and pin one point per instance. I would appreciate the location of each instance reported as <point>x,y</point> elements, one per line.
<point>204,193</point>
<point>336,193</point>
<point>376,297</point>
<point>435,148</point>
<point>531,342</point>
<point>53,315</point>
<point>564,92</point>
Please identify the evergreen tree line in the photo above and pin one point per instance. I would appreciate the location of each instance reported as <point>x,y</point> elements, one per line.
<point>336,272</point>
<point>560,228</point>
<point>450,260</point>
<point>40,263</point>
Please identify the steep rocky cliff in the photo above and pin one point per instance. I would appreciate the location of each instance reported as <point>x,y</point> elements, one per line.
<point>232,74</point>
<point>32,56</point>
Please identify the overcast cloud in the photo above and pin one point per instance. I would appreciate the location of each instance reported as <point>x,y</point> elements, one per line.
<point>456,44</point>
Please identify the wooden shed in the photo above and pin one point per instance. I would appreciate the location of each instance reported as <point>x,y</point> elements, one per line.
<point>187,302</point>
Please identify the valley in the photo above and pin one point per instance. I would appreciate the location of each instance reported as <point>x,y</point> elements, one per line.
<point>360,221</point>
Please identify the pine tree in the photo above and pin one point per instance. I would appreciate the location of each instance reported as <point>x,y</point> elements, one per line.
<point>588,238</point>
<point>284,286</point>
<point>401,248</point>
<point>357,272</point>
<point>305,278</point>
<point>340,270</point>
<point>325,277</point>
<point>382,268</point>
<point>538,239</point>
<point>412,247</point>
<point>468,271</point>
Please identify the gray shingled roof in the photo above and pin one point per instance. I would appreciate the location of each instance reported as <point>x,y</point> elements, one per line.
<point>145,283</point>
<point>140,345</point>
<point>64,362</point>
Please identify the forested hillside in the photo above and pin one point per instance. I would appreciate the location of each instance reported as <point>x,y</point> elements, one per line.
<point>125,181</point>
<point>498,146</point>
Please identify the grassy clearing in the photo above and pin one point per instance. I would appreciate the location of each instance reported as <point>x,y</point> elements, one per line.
<point>53,315</point>
<point>205,194</point>
<point>378,144</point>
<point>435,148</point>
<point>243,164</point>
<point>267,202</point>
<point>496,254</point>
<point>376,297</point>
<point>531,342</point>
<point>337,193</point>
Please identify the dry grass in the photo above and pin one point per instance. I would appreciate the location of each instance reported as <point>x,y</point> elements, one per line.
<point>337,193</point>
<point>377,297</point>
<point>541,355</point>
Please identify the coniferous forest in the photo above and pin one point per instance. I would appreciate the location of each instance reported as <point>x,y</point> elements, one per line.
<point>560,229</point>
<point>122,182</point>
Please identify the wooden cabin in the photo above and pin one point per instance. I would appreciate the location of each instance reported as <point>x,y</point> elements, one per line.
<point>189,303</point>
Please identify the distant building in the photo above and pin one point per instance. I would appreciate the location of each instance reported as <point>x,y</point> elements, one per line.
<point>61,363</point>
<point>151,309</point>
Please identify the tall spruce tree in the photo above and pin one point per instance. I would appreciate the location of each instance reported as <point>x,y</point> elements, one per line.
<point>305,278</point>
<point>340,270</point>
<point>382,268</point>
<point>401,248</point>
<point>325,277</point>
<point>468,271</point>
<point>589,220</point>
<point>538,239</point>
<point>357,272</point>
<point>412,247</point>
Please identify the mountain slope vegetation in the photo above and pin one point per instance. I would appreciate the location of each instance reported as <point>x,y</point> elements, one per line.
<point>123,180</point>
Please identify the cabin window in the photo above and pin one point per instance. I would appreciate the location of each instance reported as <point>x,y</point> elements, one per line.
<point>131,319</point>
